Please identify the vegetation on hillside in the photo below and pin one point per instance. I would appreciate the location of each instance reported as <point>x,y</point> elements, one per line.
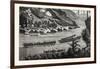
<point>31,18</point>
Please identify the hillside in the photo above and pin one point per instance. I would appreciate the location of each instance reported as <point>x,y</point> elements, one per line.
<point>46,18</point>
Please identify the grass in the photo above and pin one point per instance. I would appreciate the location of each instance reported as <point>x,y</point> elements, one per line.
<point>57,54</point>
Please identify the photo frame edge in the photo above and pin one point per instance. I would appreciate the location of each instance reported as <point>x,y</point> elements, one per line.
<point>12,65</point>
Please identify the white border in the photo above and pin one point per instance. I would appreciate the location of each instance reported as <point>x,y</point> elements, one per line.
<point>35,62</point>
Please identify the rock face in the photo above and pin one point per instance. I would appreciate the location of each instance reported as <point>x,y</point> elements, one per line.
<point>87,31</point>
<point>88,22</point>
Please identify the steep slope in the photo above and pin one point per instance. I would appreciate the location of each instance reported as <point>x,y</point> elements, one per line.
<point>39,18</point>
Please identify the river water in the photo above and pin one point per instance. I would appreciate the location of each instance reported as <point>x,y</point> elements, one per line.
<point>53,37</point>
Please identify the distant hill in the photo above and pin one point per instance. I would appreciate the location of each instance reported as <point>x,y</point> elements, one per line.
<point>46,18</point>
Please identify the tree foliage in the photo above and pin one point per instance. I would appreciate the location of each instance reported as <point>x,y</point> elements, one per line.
<point>34,16</point>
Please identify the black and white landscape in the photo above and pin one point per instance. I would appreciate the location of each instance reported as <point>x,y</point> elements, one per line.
<point>48,33</point>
